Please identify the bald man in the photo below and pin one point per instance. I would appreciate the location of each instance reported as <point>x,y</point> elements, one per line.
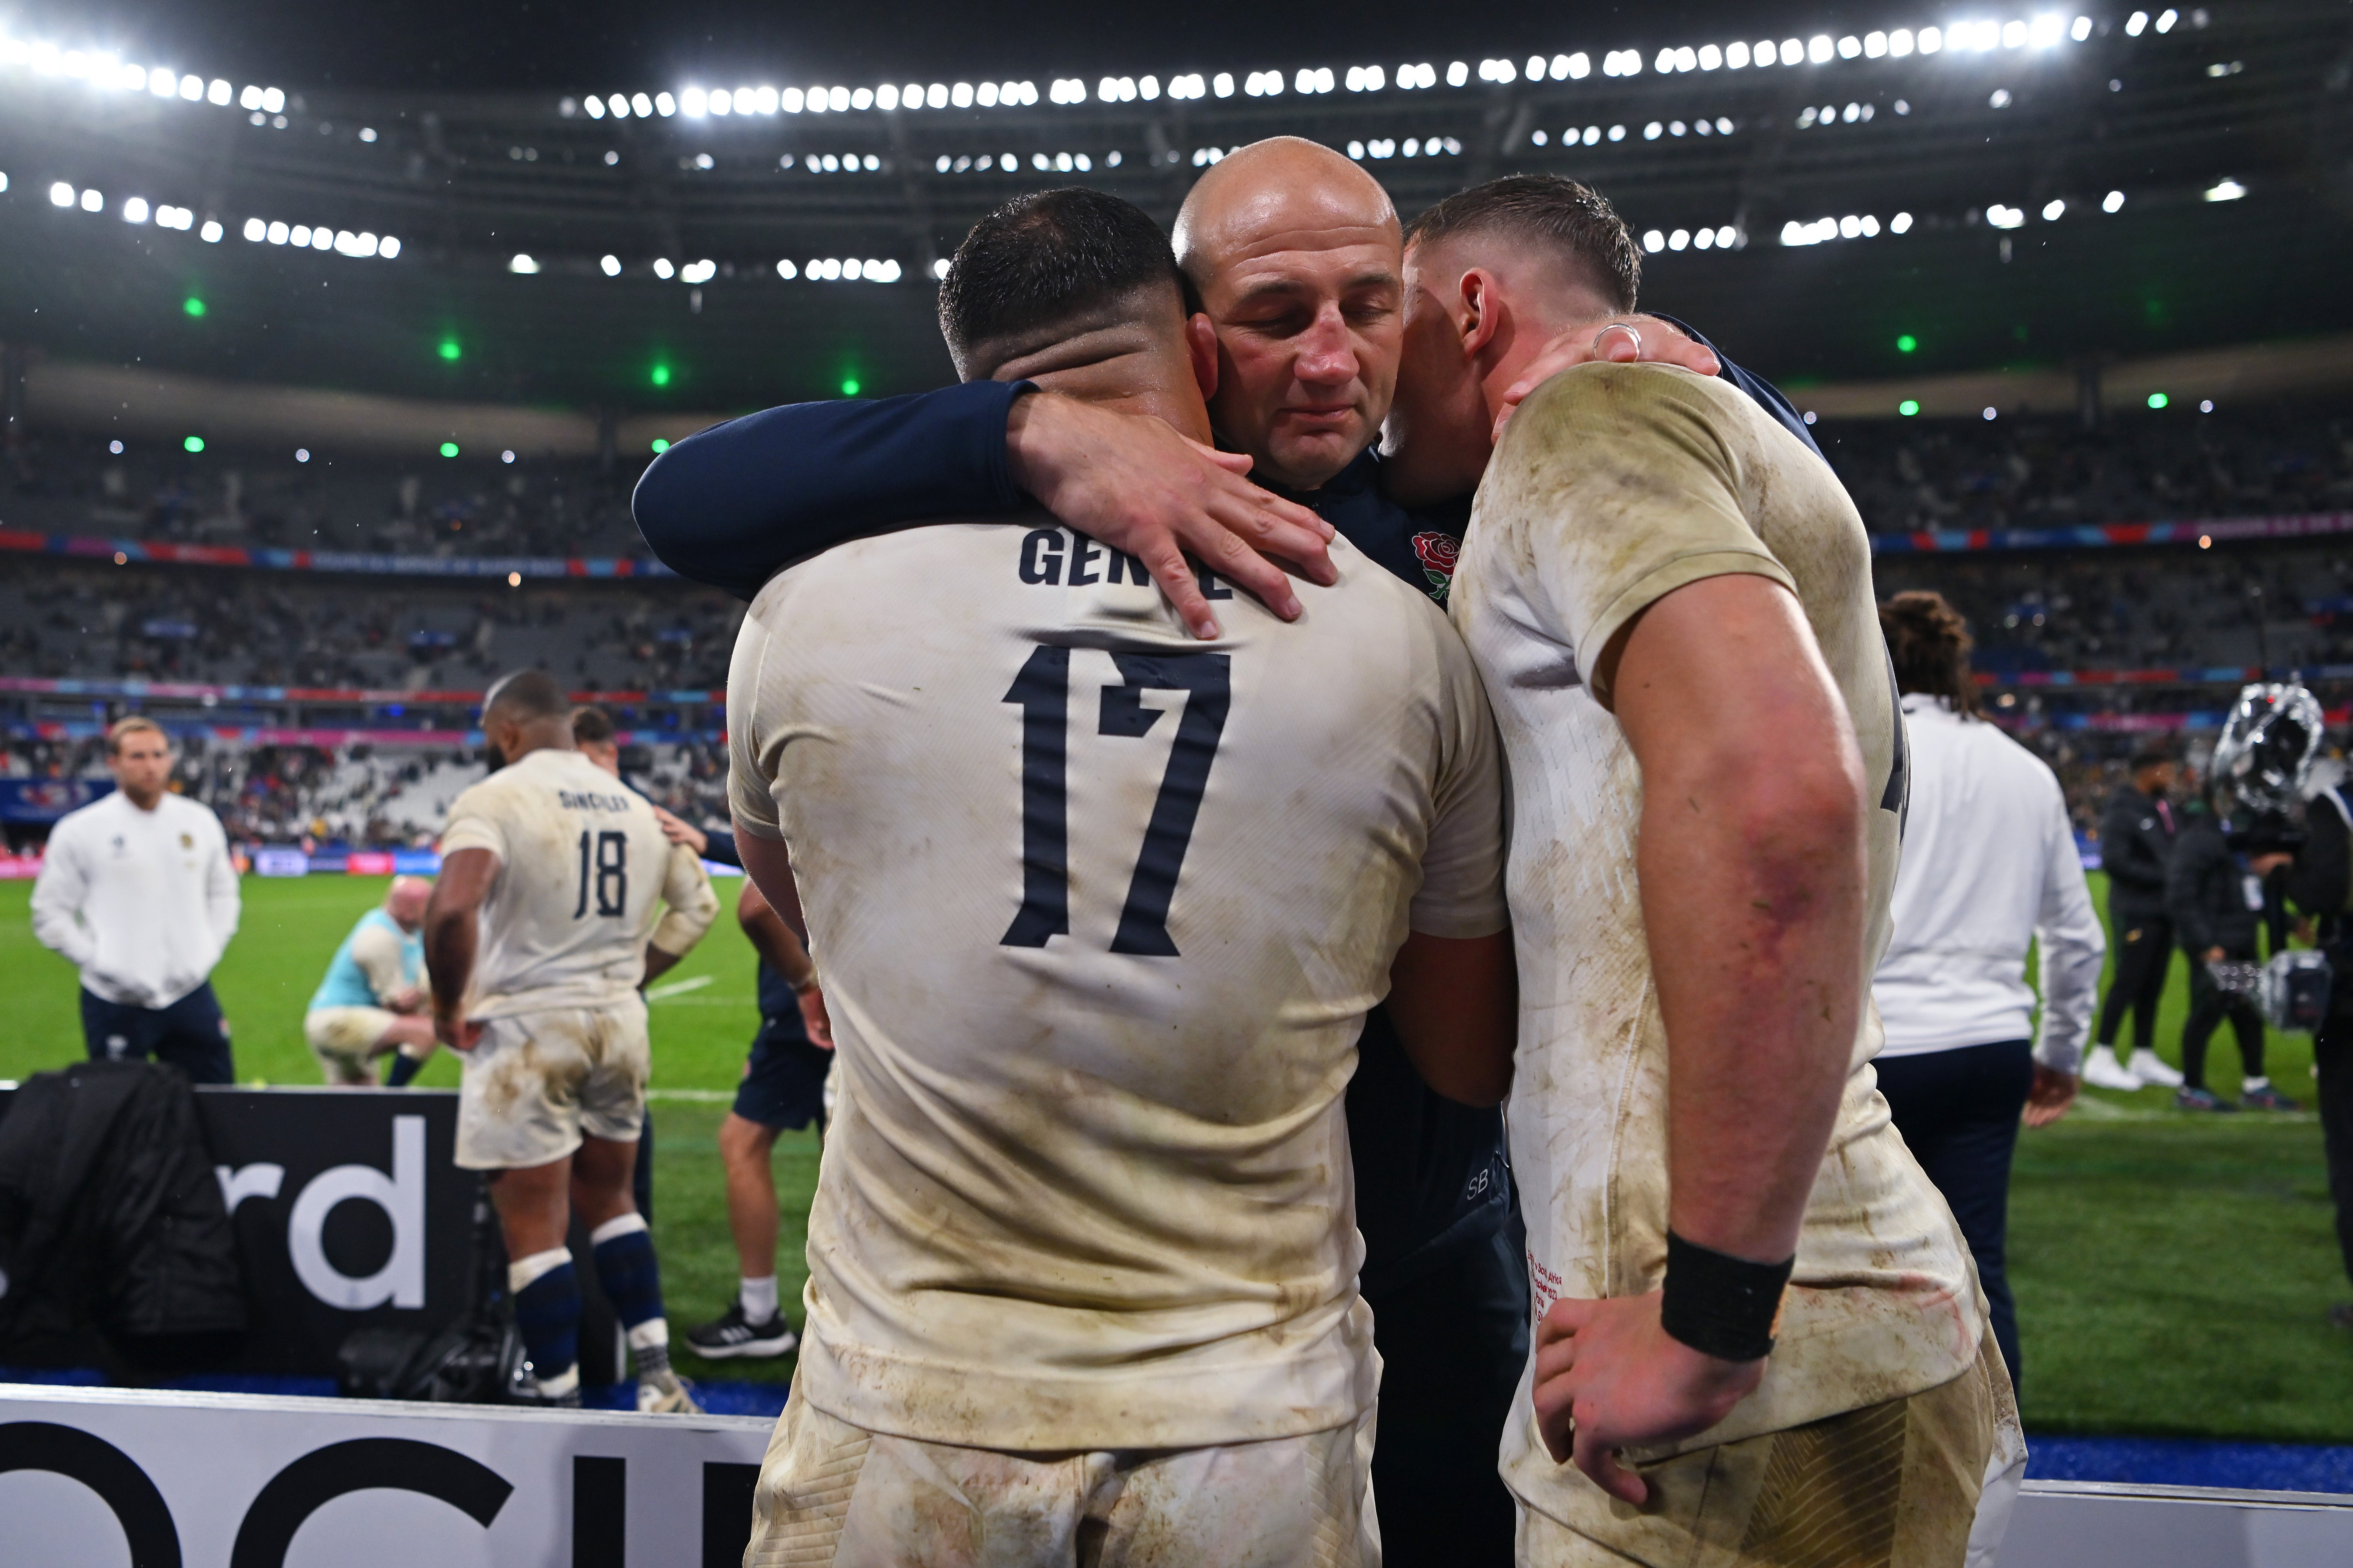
<point>372,1001</point>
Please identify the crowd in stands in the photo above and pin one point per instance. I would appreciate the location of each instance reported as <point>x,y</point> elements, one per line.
<point>86,620</point>
<point>472,505</point>
<point>2049,471</point>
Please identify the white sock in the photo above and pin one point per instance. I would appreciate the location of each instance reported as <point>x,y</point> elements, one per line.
<point>523,1271</point>
<point>2247,1086</point>
<point>758,1297</point>
<point>619,1224</point>
<point>557,1387</point>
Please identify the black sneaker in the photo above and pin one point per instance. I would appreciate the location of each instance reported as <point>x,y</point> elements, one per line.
<point>2200,1100</point>
<point>734,1335</point>
<point>2268,1098</point>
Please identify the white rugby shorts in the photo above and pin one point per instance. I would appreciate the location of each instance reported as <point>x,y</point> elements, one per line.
<point>342,1038</point>
<point>830,1493</point>
<point>536,1082</point>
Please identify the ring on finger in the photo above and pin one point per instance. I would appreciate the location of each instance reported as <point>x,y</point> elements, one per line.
<point>1631,336</point>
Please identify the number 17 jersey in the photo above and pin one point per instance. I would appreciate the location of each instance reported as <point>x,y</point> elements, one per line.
<point>1100,909</point>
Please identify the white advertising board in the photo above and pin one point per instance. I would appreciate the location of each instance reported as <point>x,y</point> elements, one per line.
<point>124,1478</point>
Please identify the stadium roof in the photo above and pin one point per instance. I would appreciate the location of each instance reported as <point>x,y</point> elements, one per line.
<point>2035,187</point>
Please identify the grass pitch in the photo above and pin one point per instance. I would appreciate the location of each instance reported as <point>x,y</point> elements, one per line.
<point>2171,1271</point>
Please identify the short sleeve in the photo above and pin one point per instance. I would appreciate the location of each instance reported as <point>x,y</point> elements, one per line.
<point>1461,893</point>
<point>1620,480</point>
<point>751,797</point>
<point>472,826</point>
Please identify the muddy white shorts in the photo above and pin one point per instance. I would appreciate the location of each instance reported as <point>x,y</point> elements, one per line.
<point>342,1038</point>
<point>832,1494</point>
<point>536,1082</point>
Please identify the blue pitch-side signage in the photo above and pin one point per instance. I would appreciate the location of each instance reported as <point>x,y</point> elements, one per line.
<point>46,800</point>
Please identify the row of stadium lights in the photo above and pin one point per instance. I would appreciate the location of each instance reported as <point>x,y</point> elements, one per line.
<point>1867,226</point>
<point>106,71</point>
<point>138,210</point>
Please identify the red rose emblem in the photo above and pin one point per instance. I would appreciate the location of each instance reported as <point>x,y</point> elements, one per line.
<point>1437,552</point>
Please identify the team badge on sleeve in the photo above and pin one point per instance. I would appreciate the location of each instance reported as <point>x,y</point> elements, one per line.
<point>1436,552</point>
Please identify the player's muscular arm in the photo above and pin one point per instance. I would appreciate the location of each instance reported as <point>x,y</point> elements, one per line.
<point>1752,871</point>
<point>452,935</point>
<point>774,942</point>
<point>770,866</point>
<point>1455,1004</point>
<point>1132,482</point>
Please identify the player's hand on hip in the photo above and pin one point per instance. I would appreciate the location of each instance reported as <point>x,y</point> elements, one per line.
<point>457,1033</point>
<point>2052,1094</point>
<point>1132,482</point>
<point>815,1019</point>
<point>1615,339</point>
<point>1608,1377</point>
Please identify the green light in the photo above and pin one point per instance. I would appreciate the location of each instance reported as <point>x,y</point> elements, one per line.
<point>850,387</point>
<point>450,350</point>
<point>2157,400</point>
<point>1908,408</point>
<point>192,306</point>
<point>194,443</point>
<point>449,449</point>
<point>660,446</point>
<point>1906,343</point>
<point>662,375</point>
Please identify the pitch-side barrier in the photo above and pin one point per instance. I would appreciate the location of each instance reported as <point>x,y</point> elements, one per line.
<point>217,1481</point>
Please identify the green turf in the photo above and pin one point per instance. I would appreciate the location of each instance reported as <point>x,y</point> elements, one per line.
<point>2171,1271</point>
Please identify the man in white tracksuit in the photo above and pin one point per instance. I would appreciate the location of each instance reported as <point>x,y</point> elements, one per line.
<point>137,891</point>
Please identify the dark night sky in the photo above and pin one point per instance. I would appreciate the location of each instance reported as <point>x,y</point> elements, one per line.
<point>463,45</point>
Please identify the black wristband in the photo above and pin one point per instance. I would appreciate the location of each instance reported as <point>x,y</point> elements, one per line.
<point>1719,1305</point>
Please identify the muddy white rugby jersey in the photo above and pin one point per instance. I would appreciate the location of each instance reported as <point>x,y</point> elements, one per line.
<point>583,866</point>
<point>1100,909</point>
<point>1613,486</point>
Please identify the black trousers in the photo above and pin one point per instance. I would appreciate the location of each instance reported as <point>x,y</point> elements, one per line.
<point>190,1034</point>
<point>1452,1343</point>
<point>2332,1054</point>
<point>2144,957</point>
<point>1958,1112</point>
<point>2209,1005</point>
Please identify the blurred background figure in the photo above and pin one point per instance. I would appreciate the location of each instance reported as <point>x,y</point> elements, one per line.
<point>2319,882</point>
<point>373,999</point>
<point>1990,866</point>
<point>2215,896</point>
<point>137,891</point>
<point>2137,835</point>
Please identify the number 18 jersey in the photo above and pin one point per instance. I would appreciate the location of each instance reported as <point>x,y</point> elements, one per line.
<point>1100,909</point>
<point>582,865</point>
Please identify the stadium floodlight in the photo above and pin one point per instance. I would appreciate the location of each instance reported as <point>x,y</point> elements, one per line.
<point>1819,48</point>
<point>507,456</point>
<point>522,264</point>
<point>1848,47</point>
<point>61,194</point>
<point>2053,208</point>
<point>2206,405</point>
<point>2136,24</point>
<point>92,201</point>
<point>302,453</point>
<point>1458,73</point>
<point>1992,413</point>
<point>388,247</point>
<point>643,105</point>
<point>785,269</point>
<point>1874,46</point>
<point>1900,223</point>
<point>616,106</point>
<point>1931,41</point>
<point>940,267</point>
<point>665,105</point>
<point>2002,216</point>
<point>2226,191</point>
<point>192,89</point>
<point>610,266</point>
<point>1653,241</point>
<point>218,93</point>
<point>1679,240</point>
<point>2081,30</point>
<point>2166,19</point>
<point>162,81</point>
<point>249,99</point>
<point>1899,43</point>
<point>212,232</point>
<point>2046,30</point>
<point>664,269</point>
<point>694,102</point>
<point>2114,201</point>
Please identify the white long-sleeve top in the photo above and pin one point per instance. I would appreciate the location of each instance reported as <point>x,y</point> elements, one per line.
<point>142,901</point>
<point>1989,866</point>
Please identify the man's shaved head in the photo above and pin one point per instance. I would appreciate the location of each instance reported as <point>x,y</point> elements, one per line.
<point>1296,256</point>
<point>526,695</point>
<point>1283,186</point>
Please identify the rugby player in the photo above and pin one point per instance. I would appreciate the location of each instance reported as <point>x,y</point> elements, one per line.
<point>372,1000</point>
<point>537,941</point>
<point>1082,1261</point>
<point>1295,253</point>
<point>1671,602</point>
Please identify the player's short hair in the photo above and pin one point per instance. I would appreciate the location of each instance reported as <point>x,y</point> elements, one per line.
<point>591,727</point>
<point>1050,256</point>
<point>121,728</point>
<point>1572,223</point>
<point>1929,643</point>
<point>528,694</point>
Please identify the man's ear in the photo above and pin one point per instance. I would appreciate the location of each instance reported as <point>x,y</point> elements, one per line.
<point>1201,344</point>
<point>1478,310</point>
